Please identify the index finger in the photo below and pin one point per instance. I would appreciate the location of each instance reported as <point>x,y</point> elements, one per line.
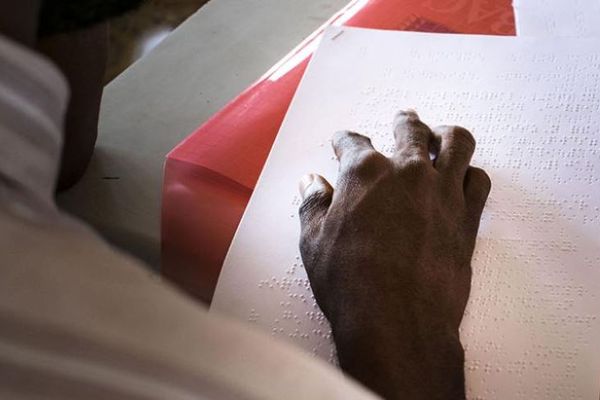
<point>347,145</point>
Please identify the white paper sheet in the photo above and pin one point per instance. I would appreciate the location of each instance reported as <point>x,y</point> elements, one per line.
<point>572,18</point>
<point>531,330</point>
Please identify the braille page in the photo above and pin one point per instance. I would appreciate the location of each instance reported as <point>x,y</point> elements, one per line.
<point>572,18</point>
<point>531,329</point>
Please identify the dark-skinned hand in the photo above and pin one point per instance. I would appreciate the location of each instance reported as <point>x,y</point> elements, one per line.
<point>388,254</point>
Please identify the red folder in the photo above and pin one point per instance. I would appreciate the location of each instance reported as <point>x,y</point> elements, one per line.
<point>209,176</point>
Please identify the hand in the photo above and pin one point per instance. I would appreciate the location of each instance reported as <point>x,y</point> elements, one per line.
<point>388,254</point>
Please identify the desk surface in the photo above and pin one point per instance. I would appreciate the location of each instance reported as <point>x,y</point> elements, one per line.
<point>162,98</point>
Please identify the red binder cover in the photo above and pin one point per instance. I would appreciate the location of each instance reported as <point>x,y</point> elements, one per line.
<point>209,176</point>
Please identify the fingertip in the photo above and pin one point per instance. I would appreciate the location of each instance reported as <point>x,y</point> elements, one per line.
<point>336,140</point>
<point>455,136</point>
<point>317,195</point>
<point>406,115</point>
<point>313,183</point>
<point>348,136</point>
<point>339,136</point>
<point>349,142</point>
<point>457,146</point>
<point>305,182</point>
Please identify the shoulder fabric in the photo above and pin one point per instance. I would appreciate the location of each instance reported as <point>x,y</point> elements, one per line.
<point>80,320</point>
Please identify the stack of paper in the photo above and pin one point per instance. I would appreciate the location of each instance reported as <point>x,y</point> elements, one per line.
<point>532,325</point>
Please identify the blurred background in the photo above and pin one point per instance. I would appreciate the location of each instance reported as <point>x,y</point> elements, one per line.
<point>134,34</point>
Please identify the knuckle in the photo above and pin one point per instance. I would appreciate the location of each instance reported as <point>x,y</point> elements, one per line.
<point>415,166</point>
<point>414,126</point>
<point>370,159</point>
<point>368,163</point>
<point>314,202</point>
<point>344,138</point>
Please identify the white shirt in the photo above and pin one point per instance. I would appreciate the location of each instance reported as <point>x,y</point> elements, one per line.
<point>79,320</point>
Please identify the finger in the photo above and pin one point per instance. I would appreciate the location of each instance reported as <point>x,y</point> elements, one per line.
<point>413,137</point>
<point>348,145</point>
<point>316,195</point>
<point>477,186</point>
<point>456,149</point>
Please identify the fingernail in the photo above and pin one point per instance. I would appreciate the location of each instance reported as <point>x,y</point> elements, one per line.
<point>305,183</point>
<point>409,113</point>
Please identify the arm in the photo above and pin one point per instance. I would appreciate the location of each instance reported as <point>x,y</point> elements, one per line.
<point>388,254</point>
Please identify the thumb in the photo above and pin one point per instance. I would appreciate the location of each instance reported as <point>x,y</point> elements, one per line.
<point>316,195</point>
